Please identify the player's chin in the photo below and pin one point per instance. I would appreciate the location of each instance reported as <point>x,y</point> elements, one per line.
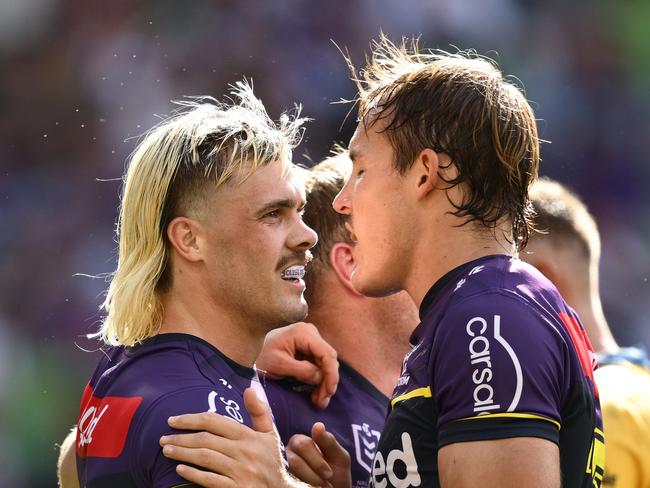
<point>370,285</point>
<point>295,310</point>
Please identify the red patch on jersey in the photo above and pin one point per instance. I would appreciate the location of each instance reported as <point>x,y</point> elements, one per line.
<point>104,424</point>
<point>583,346</point>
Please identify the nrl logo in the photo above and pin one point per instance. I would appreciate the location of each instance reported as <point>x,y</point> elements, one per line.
<point>365,444</point>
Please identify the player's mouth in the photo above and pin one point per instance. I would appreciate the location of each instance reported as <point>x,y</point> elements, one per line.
<point>294,274</point>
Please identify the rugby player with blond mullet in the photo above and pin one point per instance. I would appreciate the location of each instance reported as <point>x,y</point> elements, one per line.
<point>212,252</point>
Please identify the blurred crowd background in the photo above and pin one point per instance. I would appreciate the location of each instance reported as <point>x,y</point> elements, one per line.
<point>81,80</point>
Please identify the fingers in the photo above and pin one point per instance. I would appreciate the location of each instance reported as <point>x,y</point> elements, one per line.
<point>282,353</point>
<point>322,395</point>
<point>204,478</point>
<point>197,440</point>
<point>301,470</point>
<point>329,446</point>
<point>205,458</point>
<point>306,460</point>
<point>310,342</point>
<point>259,411</point>
<point>302,370</point>
<point>209,422</point>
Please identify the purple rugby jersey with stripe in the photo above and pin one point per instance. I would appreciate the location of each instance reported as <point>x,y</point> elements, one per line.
<point>498,354</point>
<point>355,415</point>
<point>133,391</point>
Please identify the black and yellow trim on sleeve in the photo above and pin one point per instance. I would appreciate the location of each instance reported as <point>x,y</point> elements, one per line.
<point>419,392</point>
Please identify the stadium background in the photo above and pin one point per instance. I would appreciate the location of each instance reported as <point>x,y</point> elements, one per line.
<point>80,80</point>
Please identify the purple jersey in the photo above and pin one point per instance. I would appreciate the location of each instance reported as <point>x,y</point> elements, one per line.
<point>498,354</point>
<point>355,416</point>
<point>125,407</point>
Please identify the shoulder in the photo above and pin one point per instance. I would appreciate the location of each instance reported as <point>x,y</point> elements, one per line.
<point>152,419</point>
<point>499,285</point>
<point>501,317</point>
<point>152,423</point>
<point>508,298</point>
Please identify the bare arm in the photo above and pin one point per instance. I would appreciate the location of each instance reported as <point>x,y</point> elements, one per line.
<point>67,465</point>
<point>503,463</point>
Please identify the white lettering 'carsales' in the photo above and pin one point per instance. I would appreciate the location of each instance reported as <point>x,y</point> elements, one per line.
<point>480,354</point>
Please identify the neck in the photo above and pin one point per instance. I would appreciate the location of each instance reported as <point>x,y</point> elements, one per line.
<point>590,310</point>
<point>197,315</point>
<point>364,336</point>
<point>448,249</point>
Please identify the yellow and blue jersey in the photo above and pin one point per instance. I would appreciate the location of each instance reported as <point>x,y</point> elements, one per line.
<point>624,383</point>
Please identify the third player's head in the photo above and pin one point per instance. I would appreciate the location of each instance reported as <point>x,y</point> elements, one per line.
<point>567,250</point>
<point>567,247</point>
<point>211,212</point>
<point>443,142</point>
<point>328,280</point>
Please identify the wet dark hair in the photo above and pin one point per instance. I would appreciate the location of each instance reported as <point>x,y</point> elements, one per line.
<point>461,105</point>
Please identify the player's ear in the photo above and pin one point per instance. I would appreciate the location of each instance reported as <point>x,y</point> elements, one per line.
<point>184,234</point>
<point>425,172</point>
<point>342,262</point>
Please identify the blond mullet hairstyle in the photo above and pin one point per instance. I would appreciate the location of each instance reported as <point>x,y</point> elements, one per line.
<point>461,105</point>
<point>201,147</point>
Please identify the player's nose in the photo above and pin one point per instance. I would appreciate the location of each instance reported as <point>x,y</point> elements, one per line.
<point>342,202</point>
<point>305,237</point>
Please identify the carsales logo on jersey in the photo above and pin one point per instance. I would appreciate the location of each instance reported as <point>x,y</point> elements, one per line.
<point>482,349</point>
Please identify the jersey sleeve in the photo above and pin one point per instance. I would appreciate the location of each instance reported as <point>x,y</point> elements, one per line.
<point>149,464</point>
<point>497,371</point>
